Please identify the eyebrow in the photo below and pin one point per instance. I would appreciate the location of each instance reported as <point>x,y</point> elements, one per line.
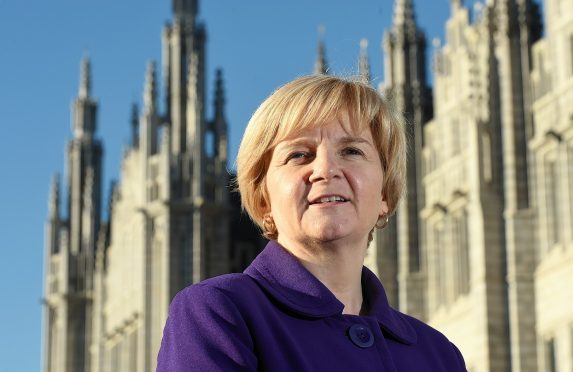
<point>305,140</point>
<point>349,139</point>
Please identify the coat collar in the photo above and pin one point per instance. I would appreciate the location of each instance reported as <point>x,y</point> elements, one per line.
<point>284,278</point>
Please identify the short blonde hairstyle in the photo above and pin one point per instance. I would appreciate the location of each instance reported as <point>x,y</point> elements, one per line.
<point>310,102</point>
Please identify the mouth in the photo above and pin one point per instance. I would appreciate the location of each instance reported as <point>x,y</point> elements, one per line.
<point>328,199</point>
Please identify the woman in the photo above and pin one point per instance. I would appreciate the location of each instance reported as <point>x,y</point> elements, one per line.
<point>321,165</point>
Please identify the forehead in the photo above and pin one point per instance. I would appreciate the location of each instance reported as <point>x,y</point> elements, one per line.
<point>350,125</point>
<point>339,130</point>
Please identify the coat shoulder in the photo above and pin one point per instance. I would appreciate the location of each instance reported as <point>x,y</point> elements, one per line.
<point>434,341</point>
<point>424,330</point>
<point>233,287</point>
<point>206,329</point>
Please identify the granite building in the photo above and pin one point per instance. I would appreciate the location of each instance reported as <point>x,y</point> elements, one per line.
<point>172,218</point>
<point>490,181</point>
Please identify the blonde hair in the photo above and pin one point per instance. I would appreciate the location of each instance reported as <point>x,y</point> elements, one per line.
<point>309,102</point>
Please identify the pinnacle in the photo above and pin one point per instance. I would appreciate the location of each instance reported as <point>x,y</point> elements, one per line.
<point>85,79</point>
<point>54,196</point>
<point>363,64</point>
<point>320,64</point>
<point>150,93</point>
<point>219,90</point>
<point>404,13</point>
<point>185,8</point>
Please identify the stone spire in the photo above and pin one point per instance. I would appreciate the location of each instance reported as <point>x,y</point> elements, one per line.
<point>54,223</point>
<point>363,64</point>
<point>320,64</point>
<point>457,5</point>
<point>85,80</point>
<point>219,94</point>
<point>194,122</point>
<point>405,48</point>
<point>405,82</point>
<point>150,91</point>
<point>148,131</point>
<point>514,35</point>
<point>84,106</point>
<point>185,9</point>
<point>54,203</point>
<point>220,124</point>
<point>134,125</point>
<point>404,13</point>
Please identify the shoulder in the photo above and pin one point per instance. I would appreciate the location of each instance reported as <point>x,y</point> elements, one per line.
<point>424,331</point>
<point>221,282</point>
<point>435,343</point>
<point>206,328</point>
<point>224,290</point>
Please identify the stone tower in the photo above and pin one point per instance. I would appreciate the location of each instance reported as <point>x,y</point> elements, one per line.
<point>71,242</point>
<point>169,225</point>
<point>463,185</point>
<point>172,218</point>
<point>517,28</point>
<point>406,86</point>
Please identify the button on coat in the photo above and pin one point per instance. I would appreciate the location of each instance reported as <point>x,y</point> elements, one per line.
<point>276,316</point>
<point>361,335</point>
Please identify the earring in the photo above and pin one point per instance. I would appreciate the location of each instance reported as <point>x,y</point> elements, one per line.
<point>385,220</point>
<point>269,227</point>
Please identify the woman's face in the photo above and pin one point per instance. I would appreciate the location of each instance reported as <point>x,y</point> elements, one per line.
<point>325,184</point>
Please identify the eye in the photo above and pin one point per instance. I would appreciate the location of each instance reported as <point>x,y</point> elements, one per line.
<point>352,151</point>
<point>298,156</point>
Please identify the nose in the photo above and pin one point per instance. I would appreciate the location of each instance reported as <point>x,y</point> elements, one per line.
<point>325,166</point>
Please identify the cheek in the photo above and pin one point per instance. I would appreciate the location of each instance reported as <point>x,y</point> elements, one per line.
<point>284,191</point>
<point>368,185</point>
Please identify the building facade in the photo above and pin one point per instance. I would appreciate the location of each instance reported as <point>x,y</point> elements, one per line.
<point>550,143</point>
<point>172,218</point>
<point>493,185</point>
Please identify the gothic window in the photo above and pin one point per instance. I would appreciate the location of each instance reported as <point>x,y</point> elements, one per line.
<point>544,83</point>
<point>115,357</point>
<point>133,351</point>
<point>53,349</point>
<point>462,266</point>
<point>439,265</point>
<point>429,149</point>
<point>550,355</point>
<point>552,199</point>
<point>486,161</point>
<point>413,65</point>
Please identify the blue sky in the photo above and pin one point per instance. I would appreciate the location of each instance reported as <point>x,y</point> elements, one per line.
<point>260,44</point>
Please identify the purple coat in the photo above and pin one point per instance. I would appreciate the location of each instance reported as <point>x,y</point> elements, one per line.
<point>277,316</point>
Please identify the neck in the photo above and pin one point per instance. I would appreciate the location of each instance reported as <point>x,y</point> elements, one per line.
<point>338,267</point>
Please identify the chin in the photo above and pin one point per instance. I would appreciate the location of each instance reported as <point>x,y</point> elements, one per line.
<point>327,234</point>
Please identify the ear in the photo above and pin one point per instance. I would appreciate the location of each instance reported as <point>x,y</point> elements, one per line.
<point>383,208</point>
<point>265,202</point>
<point>265,209</point>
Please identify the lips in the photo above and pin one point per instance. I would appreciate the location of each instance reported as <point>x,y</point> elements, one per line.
<point>328,199</point>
